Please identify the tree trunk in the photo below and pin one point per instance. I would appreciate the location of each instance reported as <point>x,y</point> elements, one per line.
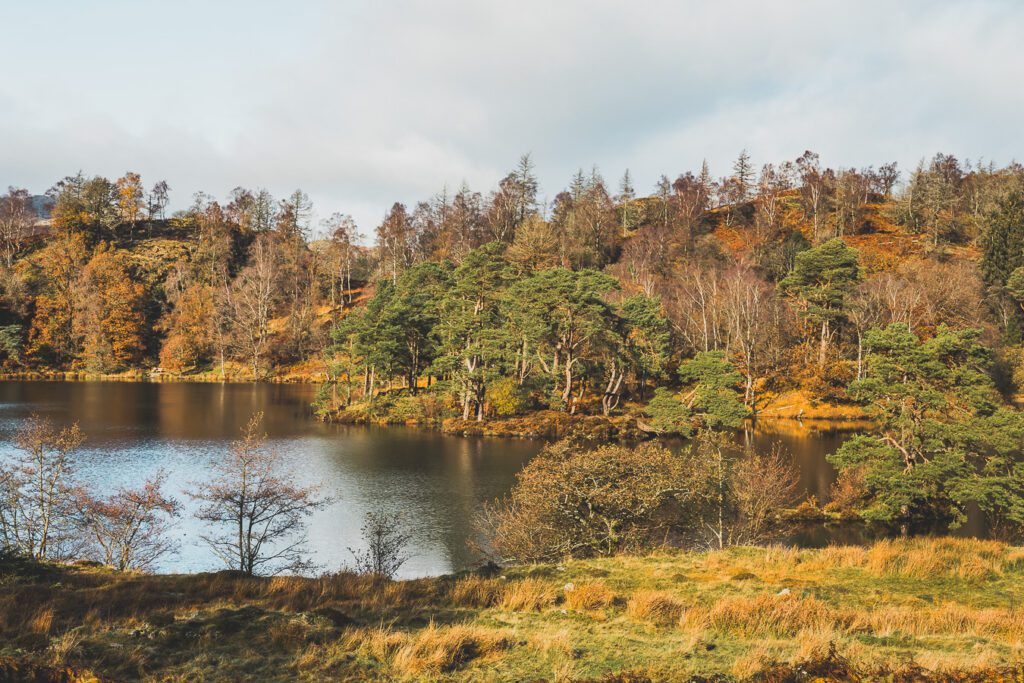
<point>823,347</point>
<point>567,389</point>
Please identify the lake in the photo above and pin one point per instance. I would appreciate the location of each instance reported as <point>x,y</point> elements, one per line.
<point>134,429</point>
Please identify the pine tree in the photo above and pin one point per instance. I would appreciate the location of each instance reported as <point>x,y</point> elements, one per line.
<point>820,282</point>
<point>944,436</point>
<point>743,171</point>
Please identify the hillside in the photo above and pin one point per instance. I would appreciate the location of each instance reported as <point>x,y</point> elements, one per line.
<point>940,609</point>
<point>624,289</point>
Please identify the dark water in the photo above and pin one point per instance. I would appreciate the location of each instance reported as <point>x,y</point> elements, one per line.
<point>437,481</point>
<point>135,429</point>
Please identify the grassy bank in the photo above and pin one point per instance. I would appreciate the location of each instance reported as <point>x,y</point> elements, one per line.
<point>312,372</point>
<point>907,610</point>
<point>627,424</point>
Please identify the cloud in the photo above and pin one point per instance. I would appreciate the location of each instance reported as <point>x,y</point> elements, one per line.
<point>363,104</point>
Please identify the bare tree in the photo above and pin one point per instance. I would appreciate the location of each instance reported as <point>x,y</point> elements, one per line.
<point>130,527</point>
<point>395,241</point>
<point>16,220</point>
<point>386,542</point>
<point>251,300</point>
<point>344,237</point>
<point>258,509</point>
<point>817,185</point>
<point>763,485</point>
<point>692,197</point>
<point>130,199</point>
<point>158,199</point>
<point>36,507</point>
<point>771,187</point>
<point>646,257</point>
<point>753,319</point>
<point>742,494</point>
<point>693,301</point>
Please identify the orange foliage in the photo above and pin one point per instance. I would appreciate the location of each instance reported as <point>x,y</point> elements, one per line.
<point>110,316</point>
<point>189,329</point>
<point>52,336</point>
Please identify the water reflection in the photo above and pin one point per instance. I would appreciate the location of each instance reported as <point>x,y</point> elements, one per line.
<point>439,482</point>
<point>136,429</point>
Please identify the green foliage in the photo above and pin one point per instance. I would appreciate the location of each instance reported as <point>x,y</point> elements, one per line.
<point>10,342</point>
<point>506,397</point>
<point>647,337</point>
<point>395,332</point>
<point>1015,285</point>
<point>1002,243</point>
<point>944,437</point>
<point>777,259</point>
<point>715,397</point>
<point>712,401</point>
<point>561,316</point>
<point>668,415</point>
<point>822,278</point>
<point>473,343</point>
<point>407,409</point>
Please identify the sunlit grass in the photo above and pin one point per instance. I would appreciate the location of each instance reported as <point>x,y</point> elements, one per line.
<point>944,605</point>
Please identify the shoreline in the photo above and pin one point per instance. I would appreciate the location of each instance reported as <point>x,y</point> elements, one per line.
<point>795,409</point>
<point>144,377</point>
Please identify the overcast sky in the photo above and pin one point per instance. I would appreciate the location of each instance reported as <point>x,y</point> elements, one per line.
<point>365,103</point>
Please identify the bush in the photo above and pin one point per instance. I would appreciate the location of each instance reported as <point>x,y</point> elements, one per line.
<point>507,398</point>
<point>573,501</point>
<point>387,545</point>
<point>570,501</point>
<point>407,409</point>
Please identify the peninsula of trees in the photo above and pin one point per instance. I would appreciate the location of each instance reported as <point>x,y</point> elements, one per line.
<point>478,305</point>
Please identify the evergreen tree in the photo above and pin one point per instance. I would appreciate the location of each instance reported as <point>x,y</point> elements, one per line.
<point>821,279</point>
<point>1002,244</point>
<point>474,345</point>
<point>944,437</point>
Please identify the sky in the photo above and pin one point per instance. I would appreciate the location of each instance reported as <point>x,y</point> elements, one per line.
<point>362,104</point>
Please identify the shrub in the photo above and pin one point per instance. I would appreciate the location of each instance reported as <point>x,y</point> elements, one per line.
<point>506,397</point>
<point>407,409</point>
<point>571,501</point>
<point>386,545</point>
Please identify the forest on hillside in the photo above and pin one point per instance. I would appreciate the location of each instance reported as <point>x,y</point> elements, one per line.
<point>683,313</point>
<point>501,303</point>
<point>824,292</point>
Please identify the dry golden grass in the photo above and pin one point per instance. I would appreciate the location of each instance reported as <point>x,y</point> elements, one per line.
<point>430,651</point>
<point>379,643</point>
<point>751,662</point>
<point>41,622</point>
<point>656,607</point>
<point>528,595</point>
<point>436,650</point>
<point>588,596</point>
<point>923,558</point>
<point>559,642</point>
<point>477,591</point>
<point>956,606</point>
<point>763,616</point>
